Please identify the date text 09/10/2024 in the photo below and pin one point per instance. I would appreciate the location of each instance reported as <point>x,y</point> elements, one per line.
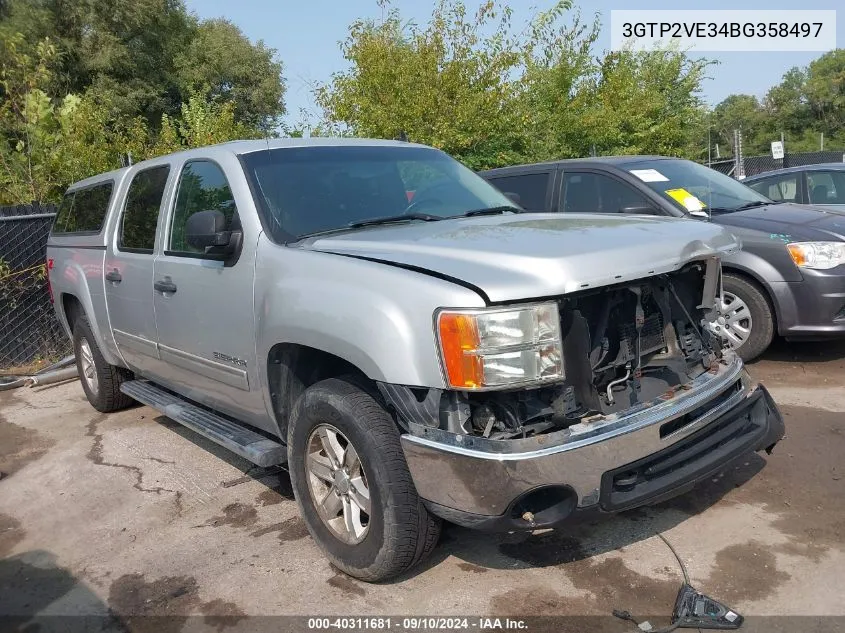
<point>416,624</point>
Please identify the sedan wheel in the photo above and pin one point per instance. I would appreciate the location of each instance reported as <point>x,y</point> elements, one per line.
<point>735,323</point>
<point>338,484</point>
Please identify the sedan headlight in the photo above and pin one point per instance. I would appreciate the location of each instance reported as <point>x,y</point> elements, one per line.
<point>820,255</point>
<point>495,348</point>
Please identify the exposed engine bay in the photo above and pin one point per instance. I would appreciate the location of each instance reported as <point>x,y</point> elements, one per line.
<point>622,345</point>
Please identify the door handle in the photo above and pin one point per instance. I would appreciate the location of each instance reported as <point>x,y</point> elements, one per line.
<point>114,275</point>
<point>165,285</point>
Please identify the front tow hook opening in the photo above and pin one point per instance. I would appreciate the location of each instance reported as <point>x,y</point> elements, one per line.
<point>543,507</point>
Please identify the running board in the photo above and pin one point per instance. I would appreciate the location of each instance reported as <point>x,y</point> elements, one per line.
<point>228,434</point>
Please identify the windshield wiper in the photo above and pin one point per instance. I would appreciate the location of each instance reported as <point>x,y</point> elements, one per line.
<point>392,219</point>
<point>489,211</point>
<point>742,207</point>
<point>752,205</point>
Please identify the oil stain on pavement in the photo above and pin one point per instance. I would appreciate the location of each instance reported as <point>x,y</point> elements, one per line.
<point>132,599</point>
<point>745,572</point>
<point>237,515</point>
<point>19,446</point>
<point>11,533</point>
<point>347,585</point>
<point>291,529</point>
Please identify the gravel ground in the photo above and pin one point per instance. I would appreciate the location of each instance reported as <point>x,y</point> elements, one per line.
<point>130,515</point>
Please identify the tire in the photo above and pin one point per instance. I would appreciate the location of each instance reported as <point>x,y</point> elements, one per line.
<point>762,327</point>
<point>100,381</point>
<point>399,531</point>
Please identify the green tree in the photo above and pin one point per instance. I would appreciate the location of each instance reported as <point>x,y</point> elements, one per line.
<point>450,84</point>
<point>222,63</point>
<point>492,94</point>
<point>49,143</point>
<point>201,122</point>
<point>644,102</point>
<point>745,113</point>
<point>29,122</point>
<point>824,91</point>
<point>786,107</point>
<point>146,57</point>
<point>123,51</point>
<point>804,104</point>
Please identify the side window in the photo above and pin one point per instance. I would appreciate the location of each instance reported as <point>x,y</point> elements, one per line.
<point>531,189</point>
<point>597,193</point>
<point>202,187</point>
<point>826,187</point>
<point>140,215</point>
<point>580,193</point>
<point>778,188</point>
<point>83,210</point>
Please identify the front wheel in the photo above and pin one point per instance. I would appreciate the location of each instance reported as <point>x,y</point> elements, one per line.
<point>747,322</point>
<point>352,483</point>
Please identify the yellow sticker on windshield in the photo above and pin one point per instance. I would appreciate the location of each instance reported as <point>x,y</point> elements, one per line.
<point>690,202</point>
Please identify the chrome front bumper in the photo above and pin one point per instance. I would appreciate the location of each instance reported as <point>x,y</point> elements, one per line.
<point>690,433</point>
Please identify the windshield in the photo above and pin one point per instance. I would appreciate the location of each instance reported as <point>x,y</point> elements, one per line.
<point>694,188</point>
<point>308,190</point>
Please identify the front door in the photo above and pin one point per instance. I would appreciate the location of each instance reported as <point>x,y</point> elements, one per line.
<point>203,304</point>
<point>129,271</point>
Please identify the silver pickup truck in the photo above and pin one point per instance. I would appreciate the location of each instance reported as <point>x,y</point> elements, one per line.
<point>409,342</point>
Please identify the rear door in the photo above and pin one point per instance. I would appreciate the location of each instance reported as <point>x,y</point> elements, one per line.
<point>128,271</point>
<point>204,314</point>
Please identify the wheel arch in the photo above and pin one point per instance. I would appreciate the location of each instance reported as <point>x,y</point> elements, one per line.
<point>755,280</point>
<point>70,307</point>
<point>293,367</point>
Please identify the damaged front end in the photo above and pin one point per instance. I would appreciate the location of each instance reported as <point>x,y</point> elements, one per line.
<point>621,347</point>
<point>637,375</point>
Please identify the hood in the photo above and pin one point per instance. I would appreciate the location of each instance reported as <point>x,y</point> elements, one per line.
<point>531,255</point>
<point>792,222</point>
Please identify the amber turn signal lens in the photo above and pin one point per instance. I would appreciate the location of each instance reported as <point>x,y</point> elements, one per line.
<point>459,340</point>
<point>797,253</point>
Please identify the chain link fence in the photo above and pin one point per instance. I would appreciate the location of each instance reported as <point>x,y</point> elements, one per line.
<point>30,334</point>
<point>741,166</point>
<point>758,164</point>
<point>753,165</point>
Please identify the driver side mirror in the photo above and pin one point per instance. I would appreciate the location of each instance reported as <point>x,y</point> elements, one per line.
<point>206,230</point>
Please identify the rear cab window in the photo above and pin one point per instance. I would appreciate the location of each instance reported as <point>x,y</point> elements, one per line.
<point>140,212</point>
<point>83,211</point>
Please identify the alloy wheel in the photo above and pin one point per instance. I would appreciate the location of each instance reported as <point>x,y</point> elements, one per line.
<point>89,369</point>
<point>337,484</point>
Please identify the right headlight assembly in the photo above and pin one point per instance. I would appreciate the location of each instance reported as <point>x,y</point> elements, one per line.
<point>500,347</point>
<point>818,255</point>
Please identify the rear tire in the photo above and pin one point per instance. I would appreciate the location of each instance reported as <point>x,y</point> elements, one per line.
<point>100,381</point>
<point>762,327</point>
<point>398,532</point>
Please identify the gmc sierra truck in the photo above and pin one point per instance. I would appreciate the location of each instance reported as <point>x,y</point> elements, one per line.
<point>409,342</point>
